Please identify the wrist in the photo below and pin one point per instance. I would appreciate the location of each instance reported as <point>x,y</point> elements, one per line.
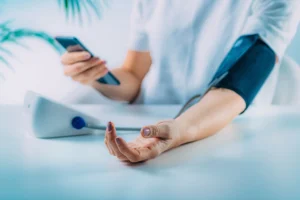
<point>180,129</point>
<point>186,131</point>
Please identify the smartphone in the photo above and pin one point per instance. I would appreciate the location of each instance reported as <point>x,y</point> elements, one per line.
<point>72,44</point>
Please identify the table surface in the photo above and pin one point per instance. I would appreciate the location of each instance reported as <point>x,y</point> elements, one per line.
<point>255,157</point>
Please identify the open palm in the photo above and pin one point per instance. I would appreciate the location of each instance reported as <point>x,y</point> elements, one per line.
<point>152,141</point>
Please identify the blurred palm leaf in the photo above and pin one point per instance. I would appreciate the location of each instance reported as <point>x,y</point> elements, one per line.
<point>8,35</point>
<point>73,9</point>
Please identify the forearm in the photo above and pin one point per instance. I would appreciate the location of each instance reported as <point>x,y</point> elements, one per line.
<point>130,75</point>
<point>126,91</point>
<point>217,109</point>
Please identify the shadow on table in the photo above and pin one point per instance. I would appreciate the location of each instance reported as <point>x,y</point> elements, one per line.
<point>87,138</point>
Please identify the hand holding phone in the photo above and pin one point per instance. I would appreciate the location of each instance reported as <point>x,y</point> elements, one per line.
<point>82,65</point>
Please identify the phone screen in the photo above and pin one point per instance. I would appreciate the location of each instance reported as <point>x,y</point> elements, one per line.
<point>72,44</point>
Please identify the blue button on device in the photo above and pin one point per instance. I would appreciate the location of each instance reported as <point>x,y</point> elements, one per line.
<point>78,123</point>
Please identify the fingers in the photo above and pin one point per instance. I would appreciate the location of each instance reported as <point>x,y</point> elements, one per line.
<point>162,130</point>
<point>135,154</point>
<point>70,58</point>
<point>79,67</point>
<point>109,150</point>
<point>129,151</point>
<point>131,154</point>
<point>91,74</point>
<point>110,137</point>
<point>82,67</point>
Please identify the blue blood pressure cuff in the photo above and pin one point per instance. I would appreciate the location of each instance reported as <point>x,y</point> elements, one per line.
<point>246,67</point>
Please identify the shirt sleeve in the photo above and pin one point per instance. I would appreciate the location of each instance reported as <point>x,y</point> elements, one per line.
<point>138,40</point>
<point>275,21</point>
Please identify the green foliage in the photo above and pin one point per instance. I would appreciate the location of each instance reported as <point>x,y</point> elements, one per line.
<point>9,35</point>
<point>74,9</point>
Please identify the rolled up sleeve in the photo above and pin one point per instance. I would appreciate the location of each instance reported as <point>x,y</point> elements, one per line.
<point>138,40</point>
<point>275,21</point>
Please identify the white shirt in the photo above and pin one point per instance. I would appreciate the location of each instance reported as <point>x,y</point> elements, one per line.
<point>189,39</point>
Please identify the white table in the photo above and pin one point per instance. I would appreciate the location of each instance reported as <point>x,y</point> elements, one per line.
<point>256,157</point>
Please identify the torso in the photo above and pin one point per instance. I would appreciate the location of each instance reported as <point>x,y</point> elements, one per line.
<point>188,41</point>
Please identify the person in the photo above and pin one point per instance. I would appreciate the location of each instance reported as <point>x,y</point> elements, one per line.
<point>175,48</point>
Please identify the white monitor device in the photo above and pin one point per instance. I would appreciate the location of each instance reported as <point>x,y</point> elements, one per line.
<point>46,118</point>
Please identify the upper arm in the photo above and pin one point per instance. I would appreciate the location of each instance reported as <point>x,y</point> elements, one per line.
<point>249,73</point>
<point>275,21</point>
<point>137,63</point>
<point>138,59</point>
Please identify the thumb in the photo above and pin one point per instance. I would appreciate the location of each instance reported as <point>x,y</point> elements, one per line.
<point>162,130</point>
